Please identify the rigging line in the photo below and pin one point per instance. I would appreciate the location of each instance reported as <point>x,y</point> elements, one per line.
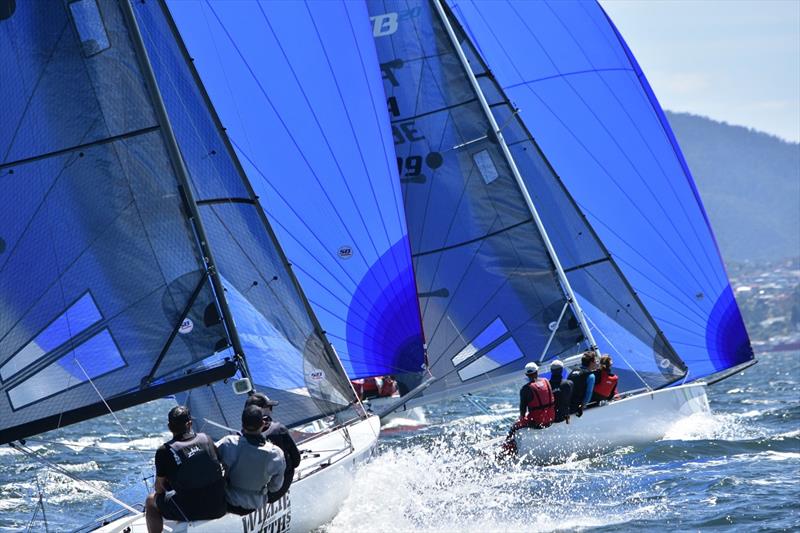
<point>565,75</point>
<point>116,419</point>
<point>39,78</point>
<point>82,146</point>
<point>618,352</point>
<point>434,111</point>
<point>476,239</point>
<point>352,127</point>
<point>294,141</point>
<point>25,450</point>
<point>589,152</point>
<point>641,136</point>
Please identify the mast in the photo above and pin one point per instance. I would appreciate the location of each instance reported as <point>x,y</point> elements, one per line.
<point>565,285</point>
<point>183,177</point>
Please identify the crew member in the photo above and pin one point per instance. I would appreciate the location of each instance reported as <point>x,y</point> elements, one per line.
<point>562,391</point>
<point>536,407</point>
<point>190,484</point>
<point>605,387</point>
<point>582,383</point>
<point>277,434</point>
<point>255,466</point>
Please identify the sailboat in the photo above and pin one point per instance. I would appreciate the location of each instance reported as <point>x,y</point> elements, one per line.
<point>523,256</point>
<point>138,262</point>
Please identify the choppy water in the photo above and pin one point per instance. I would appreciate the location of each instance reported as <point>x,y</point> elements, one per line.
<point>737,468</point>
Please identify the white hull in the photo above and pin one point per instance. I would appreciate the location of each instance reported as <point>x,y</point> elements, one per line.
<point>314,499</point>
<point>640,419</point>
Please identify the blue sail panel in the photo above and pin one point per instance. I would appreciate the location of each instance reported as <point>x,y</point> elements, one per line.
<point>488,289</point>
<point>303,106</point>
<point>276,329</point>
<point>99,264</point>
<point>590,109</point>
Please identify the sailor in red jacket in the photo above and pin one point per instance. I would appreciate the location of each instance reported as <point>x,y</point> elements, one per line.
<point>536,407</point>
<point>605,387</point>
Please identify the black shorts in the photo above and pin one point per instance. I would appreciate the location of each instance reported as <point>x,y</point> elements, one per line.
<point>204,504</point>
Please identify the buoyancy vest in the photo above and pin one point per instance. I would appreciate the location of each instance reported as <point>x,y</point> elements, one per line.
<point>606,385</point>
<point>541,408</point>
<point>578,378</point>
<point>198,465</point>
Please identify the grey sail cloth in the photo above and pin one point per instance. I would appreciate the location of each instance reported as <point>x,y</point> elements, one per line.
<point>488,289</point>
<point>255,467</point>
<point>98,260</point>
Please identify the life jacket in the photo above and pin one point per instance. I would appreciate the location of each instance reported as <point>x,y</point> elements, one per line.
<point>198,465</point>
<point>375,387</point>
<point>606,385</point>
<point>541,408</point>
<point>578,378</point>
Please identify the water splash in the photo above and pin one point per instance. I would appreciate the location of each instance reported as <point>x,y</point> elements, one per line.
<point>446,482</point>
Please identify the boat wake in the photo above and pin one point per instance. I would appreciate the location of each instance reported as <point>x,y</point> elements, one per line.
<point>447,483</point>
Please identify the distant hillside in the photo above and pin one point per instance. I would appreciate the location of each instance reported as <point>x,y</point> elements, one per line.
<point>750,184</point>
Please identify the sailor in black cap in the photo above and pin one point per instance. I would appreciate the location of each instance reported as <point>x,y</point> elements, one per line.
<point>190,482</point>
<point>277,434</point>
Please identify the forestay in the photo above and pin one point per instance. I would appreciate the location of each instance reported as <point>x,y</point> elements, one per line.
<point>489,294</point>
<point>102,284</point>
<point>622,326</point>
<point>589,106</point>
<point>287,354</point>
<point>297,88</point>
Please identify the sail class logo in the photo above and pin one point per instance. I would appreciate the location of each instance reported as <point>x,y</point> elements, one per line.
<point>316,375</point>
<point>345,252</point>
<point>186,326</point>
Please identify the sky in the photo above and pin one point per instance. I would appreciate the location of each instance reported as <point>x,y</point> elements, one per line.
<point>735,61</point>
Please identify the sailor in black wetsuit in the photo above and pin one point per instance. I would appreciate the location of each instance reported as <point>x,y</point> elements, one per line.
<point>190,482</point>
<point>582,383</point>
<point>277,434</point>
<point>562,390</point>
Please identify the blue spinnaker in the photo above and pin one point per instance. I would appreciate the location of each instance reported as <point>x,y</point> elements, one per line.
<point>297,87</point>
<point>591,110</point>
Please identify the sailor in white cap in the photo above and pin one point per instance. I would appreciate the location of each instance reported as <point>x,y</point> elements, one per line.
<point>562,390</point>
<point>536,407</point>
